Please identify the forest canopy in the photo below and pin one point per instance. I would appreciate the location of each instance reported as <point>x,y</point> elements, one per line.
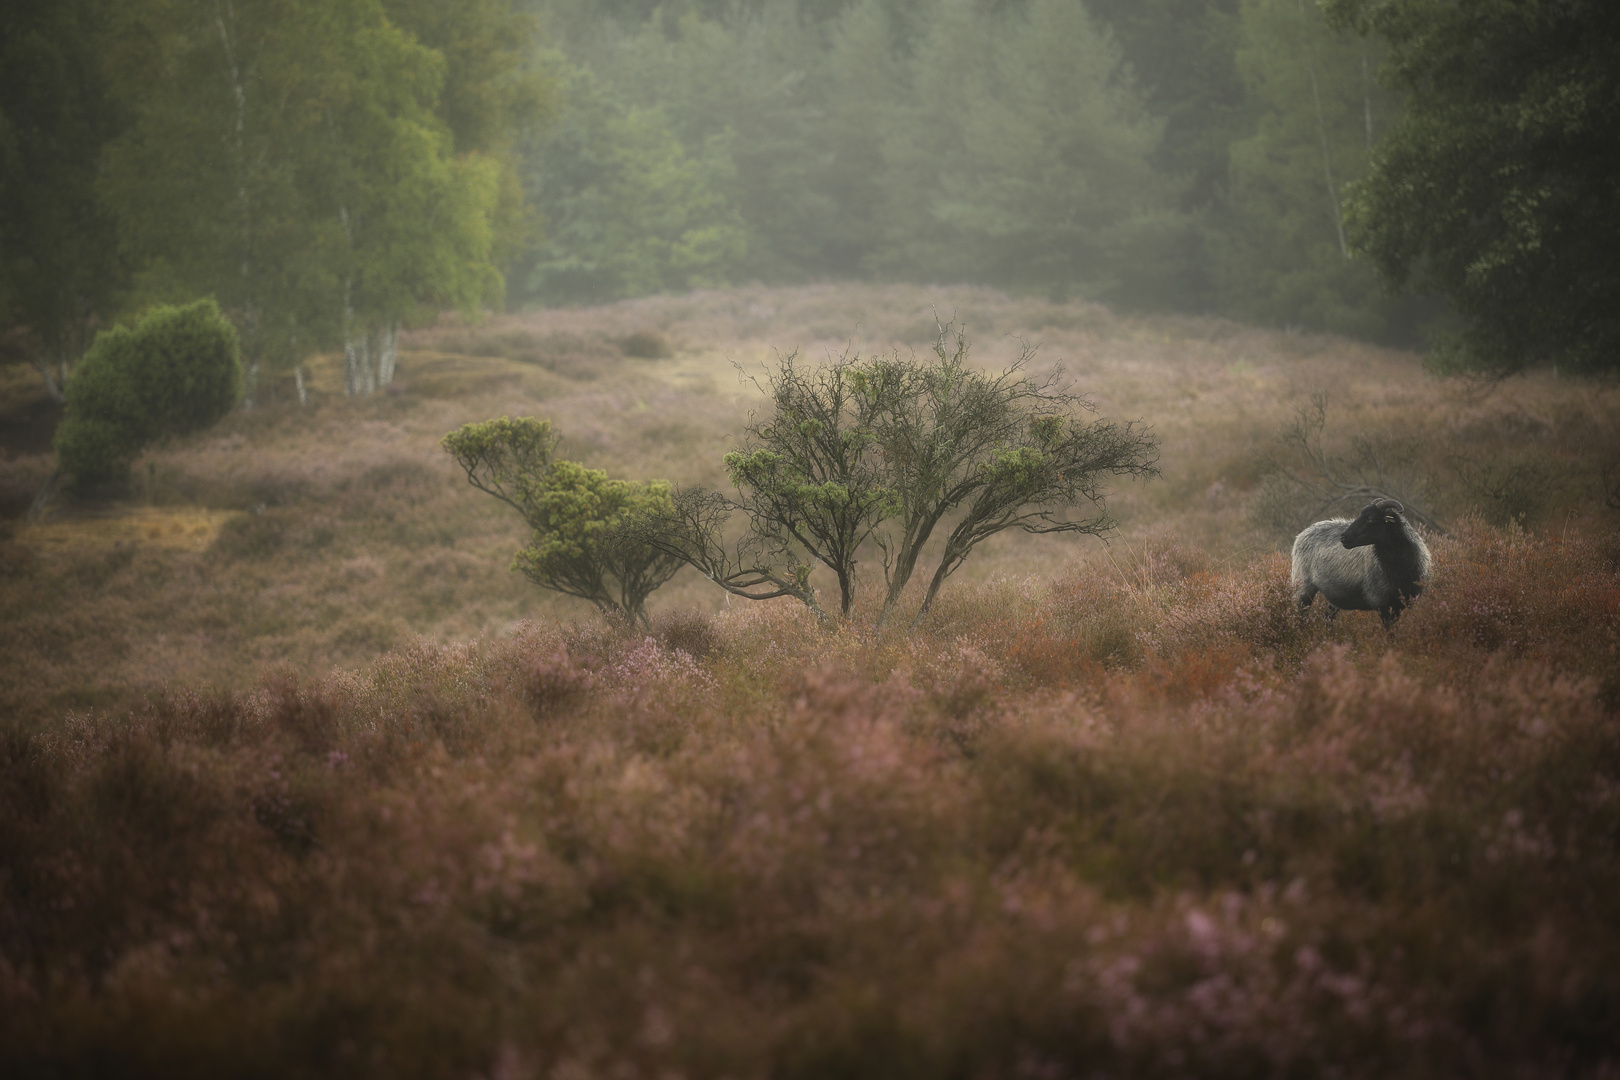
<point>333,172</point>
<point>1170,155</point>
<point>1497,187</point>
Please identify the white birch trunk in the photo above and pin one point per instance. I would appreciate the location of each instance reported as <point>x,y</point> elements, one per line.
<point>370,355</point>
<point>298,381</point>
<point>387,353</point>
<point>359,363</point>
<point>370,349</point>
<point>54,370</point>
<point>356,362</point>
<point>1321,130</point>
<point>222,16</point>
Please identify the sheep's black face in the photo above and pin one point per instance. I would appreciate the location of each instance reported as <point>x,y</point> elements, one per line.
<point>1374,521</point>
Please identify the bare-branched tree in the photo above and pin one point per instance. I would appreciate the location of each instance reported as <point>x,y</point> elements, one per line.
<point>1306,482</point>
<point>692,528</point>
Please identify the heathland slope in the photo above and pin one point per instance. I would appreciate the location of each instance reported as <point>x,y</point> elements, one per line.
<point>297,779</point>
<point>319,537</point>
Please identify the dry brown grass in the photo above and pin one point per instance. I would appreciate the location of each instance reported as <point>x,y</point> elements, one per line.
<point>1150,823</point>
<point>344,531</point>
<point>341,795</point>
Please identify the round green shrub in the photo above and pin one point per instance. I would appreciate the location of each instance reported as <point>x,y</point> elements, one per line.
<point>176,371</point>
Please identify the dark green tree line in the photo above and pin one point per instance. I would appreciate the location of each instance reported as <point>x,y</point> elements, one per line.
<point>1497,187</point>
<point>59,265</point>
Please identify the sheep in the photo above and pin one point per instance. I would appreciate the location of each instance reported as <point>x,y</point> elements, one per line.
<point>1375,563</point>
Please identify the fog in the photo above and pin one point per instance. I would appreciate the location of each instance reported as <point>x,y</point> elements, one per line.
<point>757,538</point>
<point>1168,156</point>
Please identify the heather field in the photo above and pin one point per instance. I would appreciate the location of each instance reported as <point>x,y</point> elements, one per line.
<point>298,779</point>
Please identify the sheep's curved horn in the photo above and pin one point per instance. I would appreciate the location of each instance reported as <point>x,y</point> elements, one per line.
<point>1391,504</point>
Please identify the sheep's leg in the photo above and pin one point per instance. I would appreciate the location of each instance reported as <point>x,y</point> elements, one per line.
<point>1391,615</point>
<point>1332,613</point>
<point>1305,594</point>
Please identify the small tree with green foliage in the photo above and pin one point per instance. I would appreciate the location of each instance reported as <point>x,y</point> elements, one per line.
<point>887,451</point>
<point>986,453</point>
<point>585,541</point>
<point>176,371</point>
<point>811,477</point>
<point>583,544</point>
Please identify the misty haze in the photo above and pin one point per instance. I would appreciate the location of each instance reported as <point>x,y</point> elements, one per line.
<point>809,538</point>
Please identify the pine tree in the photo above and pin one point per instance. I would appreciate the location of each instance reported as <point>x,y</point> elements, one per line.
<point>628,210</point>
<point>1021,155</point>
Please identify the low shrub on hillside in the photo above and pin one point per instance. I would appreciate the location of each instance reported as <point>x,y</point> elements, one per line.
<point>1150,824</point>
<point>175,372</point>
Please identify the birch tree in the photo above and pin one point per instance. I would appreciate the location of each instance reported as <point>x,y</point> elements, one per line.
<point>287,157</point>
<point>497,94</point>
<point>415,221</point>
<point>211,183</point>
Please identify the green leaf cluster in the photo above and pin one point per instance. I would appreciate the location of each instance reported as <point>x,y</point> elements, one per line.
<point>174,372</point>
<point>587,539</point>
